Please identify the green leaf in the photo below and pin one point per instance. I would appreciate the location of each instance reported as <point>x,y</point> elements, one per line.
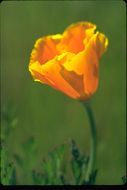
<point>39,178</point>
<point>8,175</point>
<point>78,164</point>
<point>53,166</point>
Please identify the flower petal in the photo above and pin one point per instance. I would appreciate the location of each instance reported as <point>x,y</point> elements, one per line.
<point>76,36</point>
<point>74,80</point>
<point>36,72</point>
<point>45,49</point>
<point>49,73</point>
<point>69,62</point>
<point>86,62</point>
<point>101,43</point>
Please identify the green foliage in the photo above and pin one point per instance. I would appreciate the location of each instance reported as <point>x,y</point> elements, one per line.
<point>8,121</point>
<point>52,171</point>
<point>8,175</point>
<point>28,160</point>
<point>79,163</point>
<point>53,168</point>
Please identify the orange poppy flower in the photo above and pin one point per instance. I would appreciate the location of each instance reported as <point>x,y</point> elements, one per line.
<point>69,62</point>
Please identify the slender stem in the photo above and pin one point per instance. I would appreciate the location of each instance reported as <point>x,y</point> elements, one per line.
<point>91,163</point>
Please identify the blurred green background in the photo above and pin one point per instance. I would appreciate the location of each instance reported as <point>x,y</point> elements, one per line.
<point>48,115</point>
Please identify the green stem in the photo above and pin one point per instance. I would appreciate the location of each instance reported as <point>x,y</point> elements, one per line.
<point>91,163</point>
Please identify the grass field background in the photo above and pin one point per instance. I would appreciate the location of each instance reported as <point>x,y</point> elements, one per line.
<point>48,115</point>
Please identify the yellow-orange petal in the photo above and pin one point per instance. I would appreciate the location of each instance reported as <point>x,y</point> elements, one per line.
<point>49,73</point>
<point>101,43</point>
<point>45,49</point>
<point>52,70</point>
<point>36,72</point>
<point>69,62</point>
<point>86,62</point>
<point>76,36</point>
